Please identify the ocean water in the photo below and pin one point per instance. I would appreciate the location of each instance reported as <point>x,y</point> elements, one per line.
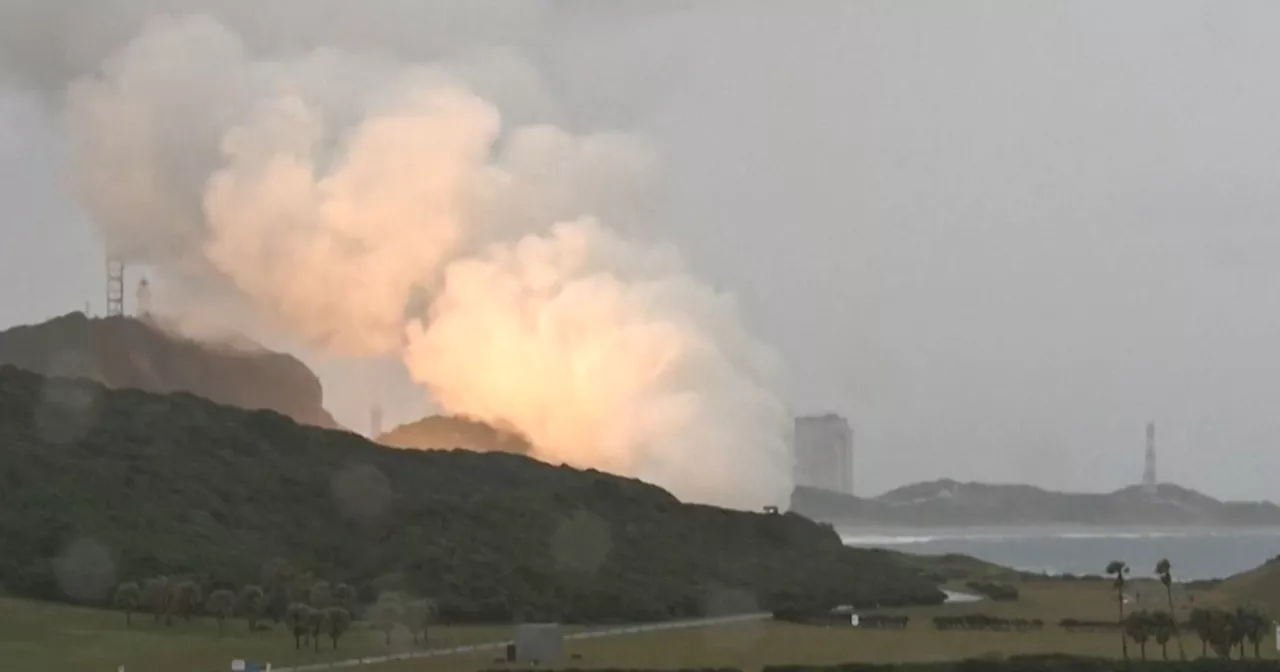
<point>1196,553</point>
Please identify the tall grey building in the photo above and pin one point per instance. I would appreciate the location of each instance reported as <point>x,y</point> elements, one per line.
<point>824,453</point>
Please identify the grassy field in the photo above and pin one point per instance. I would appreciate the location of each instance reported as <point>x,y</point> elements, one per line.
<point>44,637</point>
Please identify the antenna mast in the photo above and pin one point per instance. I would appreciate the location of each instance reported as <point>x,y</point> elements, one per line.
<point>115,287</point>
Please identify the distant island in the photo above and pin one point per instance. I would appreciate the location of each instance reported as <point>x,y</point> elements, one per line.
<point>948,503</point>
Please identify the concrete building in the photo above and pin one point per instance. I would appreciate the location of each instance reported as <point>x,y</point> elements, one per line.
<point>823,447</point>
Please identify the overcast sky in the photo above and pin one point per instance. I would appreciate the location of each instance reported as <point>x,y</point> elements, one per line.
<point>999,237</point>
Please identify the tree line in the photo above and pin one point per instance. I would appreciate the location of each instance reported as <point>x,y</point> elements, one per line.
<point>1220,630</point>
<point>997,592</point>
<point>985,622</point>
<point>1043,663</point>
<point>311,609</point>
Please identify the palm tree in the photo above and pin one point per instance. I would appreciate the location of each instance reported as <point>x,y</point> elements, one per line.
<point>221,606</point>
<point>252,604</point>
<point>1239,627</point>
<point>1164,569</point>
<point>299,618</point>
<point>1254,624</point>
<point>1202,621</point>
<point>339,620</point>
<point>1137,626</point>
<point>1163,627</point>
<point>1223,627</point>
<point>128,597</point>
<point>1118,569</point>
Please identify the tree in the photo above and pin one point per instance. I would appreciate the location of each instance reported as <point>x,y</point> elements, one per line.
<point>1163,628</point>
<point>1202,621</point>
<point>1137,626</point>
<point>320,596</point>
<point>1118,569</point>
<point>187,598</point>
<point>298,588</point>
<point>276,576</point>
<point>1222,628</point>
<point>128,597</point>
<point>419,617</point>
<point>318,623</point>
<point>252,604</point>
<point>221,605</point>
<point>1237,629</point>
<point>1254,624</point>
<point>344,597</point>
<point>156,596</point>
<point>387,614</point>
<point>1164,569</point>
<point>298,616</point>
<point>339,621</point>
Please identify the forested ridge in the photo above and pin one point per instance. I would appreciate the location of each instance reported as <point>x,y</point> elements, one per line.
<point>101,486</point>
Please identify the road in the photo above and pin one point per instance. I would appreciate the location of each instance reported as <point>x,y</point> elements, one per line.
<point>501,646</point>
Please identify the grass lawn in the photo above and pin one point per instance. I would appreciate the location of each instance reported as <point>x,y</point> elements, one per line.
<point>752,645</point>
<point>36,636</point>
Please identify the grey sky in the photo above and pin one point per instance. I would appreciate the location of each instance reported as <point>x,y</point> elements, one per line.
<point>999,237</point>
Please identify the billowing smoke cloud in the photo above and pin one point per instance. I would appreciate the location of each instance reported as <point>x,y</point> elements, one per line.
<point>372,207</point>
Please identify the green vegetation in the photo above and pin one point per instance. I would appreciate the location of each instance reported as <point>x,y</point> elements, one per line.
<point>985,622</point>
<point>1000,592</point>
<point>72,639</point>
<point>38,636</point>
<point>211,496</point>
<point>1041,663</point>
<point>1118,569</point>
<point>1037,663</point>
<point>444,432</point>
<point>126,353</point>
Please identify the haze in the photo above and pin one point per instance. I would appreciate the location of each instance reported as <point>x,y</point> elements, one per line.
<point>999,237</point>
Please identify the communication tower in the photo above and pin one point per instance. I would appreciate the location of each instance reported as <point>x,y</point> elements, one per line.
<point>115,287</point>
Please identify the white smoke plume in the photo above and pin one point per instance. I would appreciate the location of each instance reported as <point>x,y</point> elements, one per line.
<point>372,207</point>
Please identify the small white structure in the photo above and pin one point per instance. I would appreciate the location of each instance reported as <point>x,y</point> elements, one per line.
<point>853,620</point>
<point>539,644</point>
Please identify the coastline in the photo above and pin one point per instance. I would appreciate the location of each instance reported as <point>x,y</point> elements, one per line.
<point>1199,553</point>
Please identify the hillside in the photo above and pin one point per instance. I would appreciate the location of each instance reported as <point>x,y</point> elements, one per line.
<point>124,352</point>
<point>182,486</point>
<point>949,503</point>
<point>1260,586</point>
<point>444,432</point>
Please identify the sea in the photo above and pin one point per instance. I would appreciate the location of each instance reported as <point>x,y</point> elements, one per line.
<point>1195,553</point>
